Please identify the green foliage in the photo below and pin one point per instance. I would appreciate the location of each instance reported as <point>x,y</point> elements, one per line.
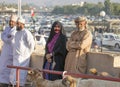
<point>58,10</point>
<point>116,8</point>
<point>3,5</point>
<point>26,6</point>
<point>90,9</point>
<point>108,7</point>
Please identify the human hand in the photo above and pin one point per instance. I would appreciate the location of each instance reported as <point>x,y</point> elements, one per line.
<point>48,55</point>
<point>49,60</point>
<point>71,44</point>
<point>9,36</point>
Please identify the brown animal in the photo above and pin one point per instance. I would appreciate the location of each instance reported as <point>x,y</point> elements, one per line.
<point>71,80</point>
<point>95,72</point>
<point>36,77</point>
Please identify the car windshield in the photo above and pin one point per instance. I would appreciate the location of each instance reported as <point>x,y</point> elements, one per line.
<point>117,37</point>
<point>45,27</point>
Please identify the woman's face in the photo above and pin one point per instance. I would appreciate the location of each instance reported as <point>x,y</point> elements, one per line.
<point>57,28</point>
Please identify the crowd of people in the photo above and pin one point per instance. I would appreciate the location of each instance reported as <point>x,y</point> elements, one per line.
<point>61,53</point>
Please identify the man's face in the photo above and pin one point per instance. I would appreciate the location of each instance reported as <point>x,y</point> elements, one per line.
<point>12,23</point>
<point>20,26</point>
<point>80,24</point>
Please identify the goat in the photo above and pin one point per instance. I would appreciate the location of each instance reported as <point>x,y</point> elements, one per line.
<point>36,77</point>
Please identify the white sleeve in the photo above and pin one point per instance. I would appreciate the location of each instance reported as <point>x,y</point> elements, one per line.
<point>30,41</point>
<point>4,36</point>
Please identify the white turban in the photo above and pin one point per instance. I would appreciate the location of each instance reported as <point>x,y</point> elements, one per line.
<point>21,20</point>
<point>13,18</point>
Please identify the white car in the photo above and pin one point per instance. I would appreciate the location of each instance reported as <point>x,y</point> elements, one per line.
<point>110,39</point>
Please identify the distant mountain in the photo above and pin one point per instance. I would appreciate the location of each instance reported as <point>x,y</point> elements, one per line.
<point>53,2</point>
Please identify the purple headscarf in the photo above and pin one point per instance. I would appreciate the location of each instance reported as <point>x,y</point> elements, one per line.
<point>52,43</point>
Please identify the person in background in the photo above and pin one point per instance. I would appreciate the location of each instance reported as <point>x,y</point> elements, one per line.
<point>55,52</point>
<point>78,46</point>
<point>6,57</point>
<point>3,26</point>
<point>42,40</point>
<point>23,48</point>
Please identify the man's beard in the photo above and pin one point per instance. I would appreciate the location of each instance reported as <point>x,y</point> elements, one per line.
<point>19,29</point>
<point>11,26</point>
<point>81,29</point>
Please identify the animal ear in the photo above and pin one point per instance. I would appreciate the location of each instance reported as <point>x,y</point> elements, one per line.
<point>30,72</point>
<point>65,82</point>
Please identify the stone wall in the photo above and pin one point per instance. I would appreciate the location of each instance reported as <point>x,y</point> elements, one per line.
<point>37,57</point>
<point>104,62</point>
<point>100,61</point>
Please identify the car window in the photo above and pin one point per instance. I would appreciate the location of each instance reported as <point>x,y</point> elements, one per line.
<point>105,36</point>
<point>117,37</point>
<point>111,37</point>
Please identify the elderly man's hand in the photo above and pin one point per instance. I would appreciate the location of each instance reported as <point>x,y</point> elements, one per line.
<point>72,43</point>
<point>75,45</point>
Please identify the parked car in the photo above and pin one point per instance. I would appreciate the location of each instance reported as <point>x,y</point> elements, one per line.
<point>111,39</point>
<point>44,29</point>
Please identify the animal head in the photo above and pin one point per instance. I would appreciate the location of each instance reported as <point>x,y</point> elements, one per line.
<point>34,74</point>
<point>93,71</point>
<point>70,80</point>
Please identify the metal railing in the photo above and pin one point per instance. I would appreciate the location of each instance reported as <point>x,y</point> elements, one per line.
<point>61,73</point>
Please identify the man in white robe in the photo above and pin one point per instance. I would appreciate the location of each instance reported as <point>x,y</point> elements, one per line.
<point>23,48</point>
<point>6,57</point>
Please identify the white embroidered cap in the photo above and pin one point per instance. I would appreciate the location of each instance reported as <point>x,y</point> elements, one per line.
<point>13,18</point>
<point>21,20</point>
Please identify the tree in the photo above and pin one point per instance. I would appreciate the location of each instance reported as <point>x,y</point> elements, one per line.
<point>58,10</point>
<point>69,10</point>
<point>108,7</point>
<point>116,9</point>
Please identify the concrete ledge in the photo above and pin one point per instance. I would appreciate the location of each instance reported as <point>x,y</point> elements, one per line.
<point>104,62</point>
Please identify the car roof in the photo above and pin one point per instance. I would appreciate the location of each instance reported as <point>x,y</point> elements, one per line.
<point>109,34</point>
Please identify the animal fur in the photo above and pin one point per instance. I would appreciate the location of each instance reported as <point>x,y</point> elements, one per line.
<point>72,81</point>
<point>95,72</point>
<point>36,77</point>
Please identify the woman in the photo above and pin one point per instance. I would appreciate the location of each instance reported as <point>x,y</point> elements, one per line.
<point>55,54</point>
